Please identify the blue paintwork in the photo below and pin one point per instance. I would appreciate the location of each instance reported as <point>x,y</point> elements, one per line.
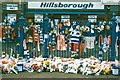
<point>46,31</point>
<point>67,13</point>
<point>21,23</point>
<point>113,37</point>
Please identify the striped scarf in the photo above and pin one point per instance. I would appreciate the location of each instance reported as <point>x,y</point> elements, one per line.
<point>75,36</point>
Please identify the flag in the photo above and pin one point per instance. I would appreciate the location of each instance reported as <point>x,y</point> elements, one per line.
<point>90,42</point>
<point>61,42</point>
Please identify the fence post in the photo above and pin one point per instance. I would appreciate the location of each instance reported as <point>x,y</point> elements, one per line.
<point>113,37</point>
<point>46,27</point>
<point>21,23</point>
<point>0,38</point>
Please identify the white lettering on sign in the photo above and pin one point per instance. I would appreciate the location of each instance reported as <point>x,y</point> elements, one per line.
<point>92,16</point>
<point>12,7</point>
<point>65,5</point>
<point>65,16</point>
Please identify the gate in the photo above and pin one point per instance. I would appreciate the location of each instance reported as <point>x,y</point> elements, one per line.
<point>39,39</point>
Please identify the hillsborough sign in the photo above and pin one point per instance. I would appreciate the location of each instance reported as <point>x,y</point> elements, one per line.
<point>65,5</point>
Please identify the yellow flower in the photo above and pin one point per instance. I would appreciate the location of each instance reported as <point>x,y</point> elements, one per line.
<point>47,63</point>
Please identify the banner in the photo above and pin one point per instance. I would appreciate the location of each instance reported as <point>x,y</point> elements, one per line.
<point>65,5</point>
<point>89,42</point>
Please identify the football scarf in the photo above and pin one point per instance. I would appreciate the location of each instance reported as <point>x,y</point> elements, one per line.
<point>100,57</point>
<point>81,48</point>
<point>9,33</point>
<point>109,40</point>
<point>24,44</point>
<point>74,36</point>
<point>105,45</point>
<point>18,31</point>
<point>38,44</point>
<point>4,31</point>
<point>41,37</point>
<point>116,47</point>
<point>117,28</point>
<point>0,34</point>
<point>13,35</point>
<point>35,35</point>
<point>61,42</point>
<point>75,47</point>
<point>52,24</point>
<point>53,41</point>
<point>50,48</point>
<point>90,42</point>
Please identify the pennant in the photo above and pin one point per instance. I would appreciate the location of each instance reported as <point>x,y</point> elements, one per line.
<point>19,31</point>
<point>61,42</point>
